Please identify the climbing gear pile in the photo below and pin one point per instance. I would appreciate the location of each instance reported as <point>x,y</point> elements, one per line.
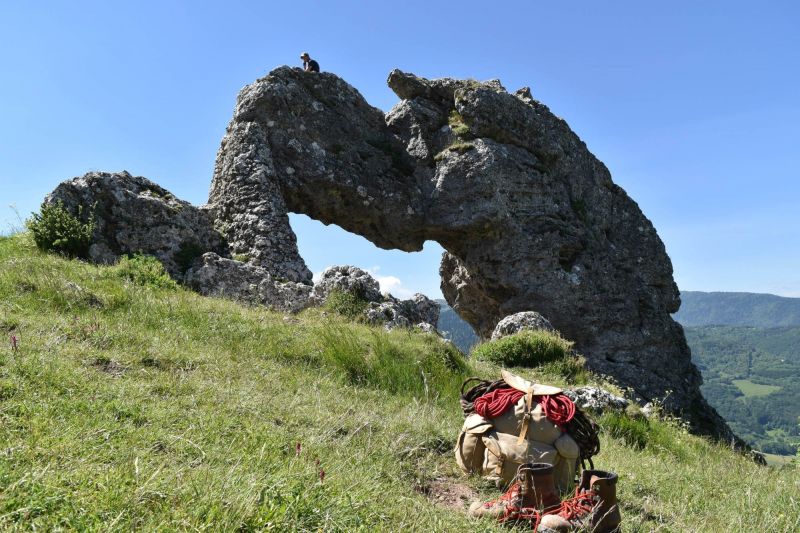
<point>512,421</point>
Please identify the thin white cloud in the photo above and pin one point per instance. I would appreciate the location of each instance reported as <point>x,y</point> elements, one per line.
<point>391,284</point>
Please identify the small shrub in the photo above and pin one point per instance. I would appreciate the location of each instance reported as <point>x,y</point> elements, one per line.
<point>187,253</point>
<point>459,147</point>
<point>446,353</point>
<point>640,432</point>
<point>459,125</point>
<point>144,270</point>
<point>528,348</point>
<point>394,361</point>
<point>346,304</point>
<point>242,258</point>
<point>55,229</point>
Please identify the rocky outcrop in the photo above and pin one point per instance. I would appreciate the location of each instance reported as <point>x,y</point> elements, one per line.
<point>382,309</point>
<point>419,311</point>
<point>521,321</point>
<point>530,219</point>
<point>134,215</point>
<point>218,276</point>
<point>596,399</point>
<point>350,279</point>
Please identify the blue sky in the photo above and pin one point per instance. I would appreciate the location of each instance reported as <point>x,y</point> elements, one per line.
<point>693,106</point>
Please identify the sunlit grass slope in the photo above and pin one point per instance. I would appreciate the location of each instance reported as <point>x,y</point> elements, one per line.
<point>131,403</point>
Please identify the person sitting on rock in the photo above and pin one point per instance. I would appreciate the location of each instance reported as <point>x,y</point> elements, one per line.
<point>309,65</point>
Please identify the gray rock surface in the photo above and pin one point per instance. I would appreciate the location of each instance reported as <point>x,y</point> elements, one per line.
<point>596,399</point>
<point>529,217</point>
<point>346,278</point>
<point>394,313</point>
<point>383,309</point>
<point>134,215</point>
<point>426,327</point>
<point>521,321</point>
<point>421,309</point>
<point>389,314</point>
<point>218,276</point>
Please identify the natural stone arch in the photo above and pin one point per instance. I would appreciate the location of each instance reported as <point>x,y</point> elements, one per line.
<point>530,219</point>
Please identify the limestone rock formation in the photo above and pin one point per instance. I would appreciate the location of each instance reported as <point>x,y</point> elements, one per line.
<point>346,278</point>
<point>132,214</point>
<point>218,276</point>
<point>596,399</point>
<point>419,311</point>
<point>382,309</point>
<point>521,321</point>
<point>529,217</point>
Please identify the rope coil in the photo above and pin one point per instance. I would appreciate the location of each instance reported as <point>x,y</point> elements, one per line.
<point>558,408</point>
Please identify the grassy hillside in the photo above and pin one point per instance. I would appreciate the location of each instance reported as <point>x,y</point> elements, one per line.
<point>737,309</point>
<point>133,404</point>
<point>751,376</point>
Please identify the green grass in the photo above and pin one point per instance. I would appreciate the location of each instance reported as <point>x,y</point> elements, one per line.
<point>135,406</point>
<point>749,388</point>
<point>528,348</point>
<point>459,125</point>
<point>346,304</point>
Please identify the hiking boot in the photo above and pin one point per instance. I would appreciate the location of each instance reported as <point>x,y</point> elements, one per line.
<point>540,485</point>
<point>532,490</point>
<point>594,506</point>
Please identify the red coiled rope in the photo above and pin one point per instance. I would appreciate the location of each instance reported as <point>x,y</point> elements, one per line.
<point>558,408</point>
<point>495,403</point>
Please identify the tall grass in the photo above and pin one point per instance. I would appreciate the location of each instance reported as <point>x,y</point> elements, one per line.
<point>133,407</point>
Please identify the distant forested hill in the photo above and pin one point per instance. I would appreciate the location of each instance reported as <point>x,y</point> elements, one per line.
<point>752,377</point>
<point>454,327</point>
<point>747,347</point>
<point>737,309</point>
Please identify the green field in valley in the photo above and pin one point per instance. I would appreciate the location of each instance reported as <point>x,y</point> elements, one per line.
<point>749,388</point>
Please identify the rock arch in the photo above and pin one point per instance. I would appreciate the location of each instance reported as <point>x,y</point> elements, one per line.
<point>530,219</point>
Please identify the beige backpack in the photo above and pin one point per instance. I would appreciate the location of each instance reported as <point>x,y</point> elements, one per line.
<point>494,448</point>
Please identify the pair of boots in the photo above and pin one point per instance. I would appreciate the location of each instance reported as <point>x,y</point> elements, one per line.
<point>532,492</point>
<point>533,498</point>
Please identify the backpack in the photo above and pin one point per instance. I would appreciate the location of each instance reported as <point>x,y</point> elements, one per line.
<point>495,447</point>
